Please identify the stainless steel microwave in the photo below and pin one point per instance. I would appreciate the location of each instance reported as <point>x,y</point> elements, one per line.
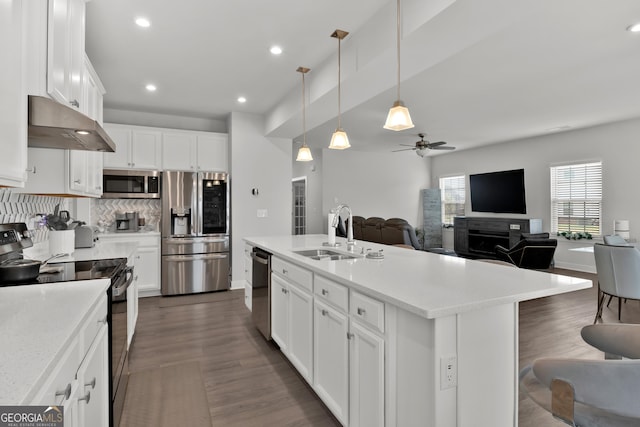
<point>130,184</point>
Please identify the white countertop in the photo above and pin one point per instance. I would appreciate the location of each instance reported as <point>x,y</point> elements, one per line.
<point>424,283</point>
<point>101,250</point>
<point>37,323</point>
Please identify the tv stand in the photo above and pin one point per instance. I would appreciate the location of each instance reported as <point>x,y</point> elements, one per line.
<point>477,237</point>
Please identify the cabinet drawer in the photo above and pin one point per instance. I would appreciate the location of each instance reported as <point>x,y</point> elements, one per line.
<point>296,274</point>
<point>488,225</point>
<point>332,292</point>
<point>63,378</point>
<point>96,319</point>
<point>367,310</point>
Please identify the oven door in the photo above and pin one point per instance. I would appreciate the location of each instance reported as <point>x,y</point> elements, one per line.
<point>119,361</point>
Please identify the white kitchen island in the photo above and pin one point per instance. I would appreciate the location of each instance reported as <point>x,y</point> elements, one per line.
<point>414,339</point>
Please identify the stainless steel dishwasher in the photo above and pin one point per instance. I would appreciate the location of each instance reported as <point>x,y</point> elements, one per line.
<point>261,291</point>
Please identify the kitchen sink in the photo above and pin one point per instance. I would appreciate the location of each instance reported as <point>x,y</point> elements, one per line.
<point>319,254</point>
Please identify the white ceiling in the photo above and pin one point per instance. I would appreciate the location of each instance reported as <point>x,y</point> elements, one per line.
<point>473,75</point>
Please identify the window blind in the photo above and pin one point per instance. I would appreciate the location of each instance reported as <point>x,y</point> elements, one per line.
<point>452,192</point>
<point>576,198</point>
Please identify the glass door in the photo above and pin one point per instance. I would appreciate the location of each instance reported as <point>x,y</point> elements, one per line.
<point>299,189</point>
<point>213,206</point>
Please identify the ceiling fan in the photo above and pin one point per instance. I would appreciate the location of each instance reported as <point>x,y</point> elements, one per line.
<point>422,146</point>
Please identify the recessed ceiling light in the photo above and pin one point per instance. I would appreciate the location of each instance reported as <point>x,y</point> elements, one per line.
<point>151,87</point>
<point>143,22</point>
<point>242,99</point>
<point>635,28</point>
<point>276,50</point>
<point>82,132</point>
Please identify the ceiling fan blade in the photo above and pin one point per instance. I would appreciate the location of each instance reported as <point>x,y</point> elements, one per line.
<point>436,144</point>
<point>407,145</point>
<point>404,149</point>
<point>443,148</point>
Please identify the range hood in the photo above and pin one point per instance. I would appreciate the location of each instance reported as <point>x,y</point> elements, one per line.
<point>54,125</point>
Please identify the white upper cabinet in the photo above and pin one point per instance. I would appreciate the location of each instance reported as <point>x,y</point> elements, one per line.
<point>92,92</point>
<point>212,152</point>
<point>136,147</point>
<point>179,151</point>
<point>13,107</point>
<point>191,151</point>
<point>65,59</point>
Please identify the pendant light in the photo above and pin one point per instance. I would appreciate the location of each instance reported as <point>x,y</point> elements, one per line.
<point>339,140</point>
<point>304,153</point>
<point>398,117</point>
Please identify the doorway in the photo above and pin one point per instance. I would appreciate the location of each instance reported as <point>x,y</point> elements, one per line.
<point>299,211</point>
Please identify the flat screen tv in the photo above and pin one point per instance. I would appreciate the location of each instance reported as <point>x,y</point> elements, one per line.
<point>498,192</point>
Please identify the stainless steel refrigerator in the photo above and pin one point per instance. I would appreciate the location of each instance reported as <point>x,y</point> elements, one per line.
<point>195,232</point>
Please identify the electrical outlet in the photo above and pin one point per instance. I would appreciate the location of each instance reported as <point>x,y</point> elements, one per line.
<point>514,226</point>
<point>262,213</point>
<point>448,372</point>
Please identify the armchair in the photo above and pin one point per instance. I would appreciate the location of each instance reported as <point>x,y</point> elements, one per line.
<point>618,269</point>
<point>534,253</point>
<point>591,392</point>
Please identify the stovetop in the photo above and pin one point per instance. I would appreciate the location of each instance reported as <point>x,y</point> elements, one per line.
<point>77,270</point>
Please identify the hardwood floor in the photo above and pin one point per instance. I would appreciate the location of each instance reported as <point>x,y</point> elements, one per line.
<point>248,382</point>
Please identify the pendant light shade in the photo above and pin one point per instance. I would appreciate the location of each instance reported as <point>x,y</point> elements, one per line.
<point>339,140</point>
<point>304,153</point>
<point>398,117</point>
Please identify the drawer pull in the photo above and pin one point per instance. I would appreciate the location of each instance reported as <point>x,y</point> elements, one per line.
<point>284,291</point>
<point>86,398</point>
<point>103,321</point>
<point>324,312</point>
<point>66,392</point>
<point>91,384</point>
<point>284,271</point>
<point>325,292</point>
<point>361,311</point>
<point>349,335</point>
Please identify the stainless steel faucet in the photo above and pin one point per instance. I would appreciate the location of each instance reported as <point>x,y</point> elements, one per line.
<point>350,242</point>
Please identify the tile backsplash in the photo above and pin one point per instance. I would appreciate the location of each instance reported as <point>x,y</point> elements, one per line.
<point>103,212</point>
<point>20,207</point>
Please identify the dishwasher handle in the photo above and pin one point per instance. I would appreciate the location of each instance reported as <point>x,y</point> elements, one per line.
<point>259,259</point>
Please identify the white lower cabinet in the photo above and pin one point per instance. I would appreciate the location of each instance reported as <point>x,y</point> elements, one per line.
<point>366,377</point>
<point>93,403</point>
<point>147,262</point>
<point>248,275</point>
<point>292,323</point>
<point>80,379</point>
<point>331,359</point>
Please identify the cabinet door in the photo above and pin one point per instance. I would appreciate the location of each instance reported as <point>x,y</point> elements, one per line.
<point>331,359</point>
<point>94,173</point>
<point>212,153</point>
<point>78,171</point>
<point>279,312</point>
<point>93,399</point>
<point>147,268</point>
<point>301,331</point>
<point>248,293</point>
<point>366,382</point>
<point>65,51</point>
<point>121,158</point>
<point>145,149</point>
<point>178,151</point>
<point>13,117</point>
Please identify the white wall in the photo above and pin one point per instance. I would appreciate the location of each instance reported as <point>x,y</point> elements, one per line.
<point>262,163</point>
<point>616,145</point>
<point>375,184</point>
<point>313,172</point>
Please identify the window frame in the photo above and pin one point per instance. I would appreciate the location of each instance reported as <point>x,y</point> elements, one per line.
<point>581,192</point>
<point>443,193</point>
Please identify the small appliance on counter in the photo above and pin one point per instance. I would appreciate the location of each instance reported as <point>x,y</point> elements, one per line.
<point>86,236</point>
<point>126,222</point>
